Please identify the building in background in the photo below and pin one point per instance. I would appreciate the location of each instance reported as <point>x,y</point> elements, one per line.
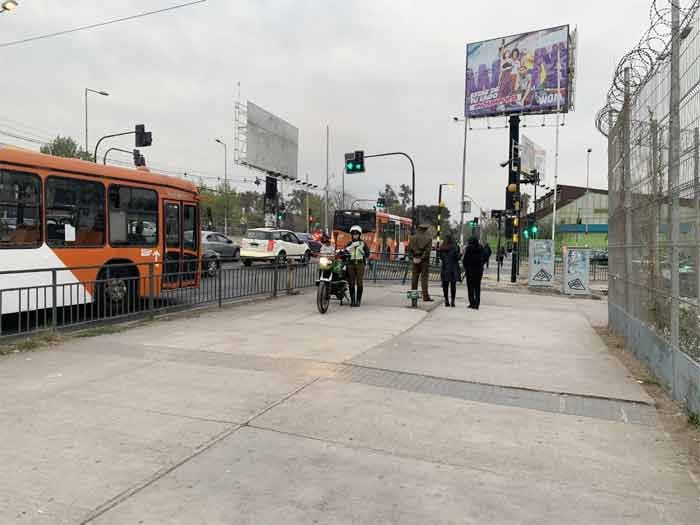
<point>581,220</point>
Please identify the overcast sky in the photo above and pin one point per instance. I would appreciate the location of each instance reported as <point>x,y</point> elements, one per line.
<point>384,75</point>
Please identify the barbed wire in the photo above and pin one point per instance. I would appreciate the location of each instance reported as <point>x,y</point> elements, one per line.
<point>644,59</point>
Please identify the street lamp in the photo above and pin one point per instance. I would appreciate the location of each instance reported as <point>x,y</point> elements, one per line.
<point>440,206</point>
<point>88,90</point>
<point>225,185</point>
<point>9,5</point>
<point>588,176</point>
<point>464,178</point>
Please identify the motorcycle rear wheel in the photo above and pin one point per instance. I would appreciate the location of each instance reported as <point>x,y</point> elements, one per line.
<point>323,297</point>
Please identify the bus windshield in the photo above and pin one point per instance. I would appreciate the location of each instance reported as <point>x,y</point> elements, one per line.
<point>346,219</point>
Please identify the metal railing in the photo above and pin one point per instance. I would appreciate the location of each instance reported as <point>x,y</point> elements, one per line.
<point>597,271</point>
<point>55,298</point>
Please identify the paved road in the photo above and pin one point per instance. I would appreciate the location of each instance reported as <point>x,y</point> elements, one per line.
<point>271,413</point>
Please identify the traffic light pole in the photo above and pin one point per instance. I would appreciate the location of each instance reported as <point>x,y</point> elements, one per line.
<point>413,182</point>
<point>514,177</point>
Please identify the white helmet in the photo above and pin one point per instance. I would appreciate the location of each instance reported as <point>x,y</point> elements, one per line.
<point>356,229</point>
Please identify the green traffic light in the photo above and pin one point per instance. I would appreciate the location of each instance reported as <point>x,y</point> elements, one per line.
<point>535,229</point>
<point>357,167</point>
<point>349,166</point>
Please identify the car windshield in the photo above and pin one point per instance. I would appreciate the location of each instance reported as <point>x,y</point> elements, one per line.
<point>260,235</point>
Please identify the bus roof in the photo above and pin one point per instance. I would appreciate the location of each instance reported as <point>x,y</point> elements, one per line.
<point>31,159</point>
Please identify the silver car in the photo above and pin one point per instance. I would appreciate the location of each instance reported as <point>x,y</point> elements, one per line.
<point>222,245</point>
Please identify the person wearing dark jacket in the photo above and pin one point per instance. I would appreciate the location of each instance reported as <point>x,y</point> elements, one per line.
<point>449,258</point>
<point>487,254</point>
<point>473,262</point>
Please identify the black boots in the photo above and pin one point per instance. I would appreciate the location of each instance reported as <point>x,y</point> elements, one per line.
<point>355,297</point>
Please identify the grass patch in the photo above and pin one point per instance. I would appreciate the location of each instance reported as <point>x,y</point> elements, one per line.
<point>30,344</point>
<point>694,419</point>
<point>100,330</point>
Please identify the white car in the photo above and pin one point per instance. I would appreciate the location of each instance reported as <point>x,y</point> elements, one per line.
<point>269,244</point>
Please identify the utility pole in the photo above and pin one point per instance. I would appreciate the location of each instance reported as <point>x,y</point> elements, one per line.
<point>308,217</point>
<point>327,177</point>
<point>464,182</point>
<point>588,177</point>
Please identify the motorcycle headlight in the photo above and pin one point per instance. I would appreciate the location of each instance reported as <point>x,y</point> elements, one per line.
<point>325,263</point>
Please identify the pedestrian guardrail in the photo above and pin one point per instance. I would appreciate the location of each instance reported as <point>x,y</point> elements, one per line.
<point>60,299</point>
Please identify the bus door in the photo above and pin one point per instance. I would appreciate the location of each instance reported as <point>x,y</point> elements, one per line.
<point>181,243</point>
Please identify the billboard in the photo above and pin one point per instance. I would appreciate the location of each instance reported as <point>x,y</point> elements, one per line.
<point>524,73</point>
<point>533,157</point>
<point>272,143</point>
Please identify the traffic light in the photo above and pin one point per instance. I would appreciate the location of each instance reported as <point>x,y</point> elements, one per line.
<point>139,160</point>
<point>381,203</point>
<point>476,221</point>
<point>355,162</point>
<point>270,188</point>
<point>143,138</point>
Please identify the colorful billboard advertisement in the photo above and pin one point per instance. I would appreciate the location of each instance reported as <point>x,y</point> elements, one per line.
<point>525,73</point>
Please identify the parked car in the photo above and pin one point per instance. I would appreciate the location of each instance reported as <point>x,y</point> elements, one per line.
<point>222,245</point>
<point>269,244</point>
<point>600,257</point>
<point>313,244</point>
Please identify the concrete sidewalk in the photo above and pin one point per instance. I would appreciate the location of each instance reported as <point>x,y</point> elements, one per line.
<point>271,413</point>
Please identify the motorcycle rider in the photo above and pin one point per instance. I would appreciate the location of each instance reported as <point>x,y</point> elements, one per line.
<point>359,252</point>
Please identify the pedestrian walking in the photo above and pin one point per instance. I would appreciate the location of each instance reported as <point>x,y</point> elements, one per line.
<point>450,271</point>
<point>419,247</point>
<point>474,269</point>
<point>487,254</point>
<point>359,253</point>
<point>501,255</point>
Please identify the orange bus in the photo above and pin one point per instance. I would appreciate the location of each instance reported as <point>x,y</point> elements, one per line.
<point>107,222</point>
<point>387,235</point>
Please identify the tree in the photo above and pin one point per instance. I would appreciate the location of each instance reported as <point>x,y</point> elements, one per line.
<point>65,147</point>
<point>429,214</point>
<point>406,196</point>
<point>391,200</point>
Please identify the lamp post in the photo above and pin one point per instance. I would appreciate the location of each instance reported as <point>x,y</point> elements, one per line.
<point>219,141</point>
<point>464,178</point>
<point>88,90</point>
<point>440,206</point>
<point>588,176</point>
<point>8,5</point>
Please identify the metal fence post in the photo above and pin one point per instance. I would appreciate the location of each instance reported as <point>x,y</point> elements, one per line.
<point>151,287</point>
<point>219,286</point>
<point>54,299</point>
<point>275,279</point>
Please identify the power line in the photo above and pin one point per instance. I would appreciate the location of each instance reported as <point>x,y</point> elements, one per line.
<point>99,24</point>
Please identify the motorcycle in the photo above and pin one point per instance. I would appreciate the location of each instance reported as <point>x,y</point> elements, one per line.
<point>332,279</point>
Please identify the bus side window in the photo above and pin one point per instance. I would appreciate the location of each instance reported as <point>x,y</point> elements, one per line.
<point>75,212</point>
<point>133,216</point>
<point>20,209</point>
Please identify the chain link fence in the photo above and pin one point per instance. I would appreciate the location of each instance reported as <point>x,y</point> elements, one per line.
<point>654,199</point>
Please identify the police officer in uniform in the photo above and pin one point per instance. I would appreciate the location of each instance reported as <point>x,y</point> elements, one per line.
<point>359,252</point>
